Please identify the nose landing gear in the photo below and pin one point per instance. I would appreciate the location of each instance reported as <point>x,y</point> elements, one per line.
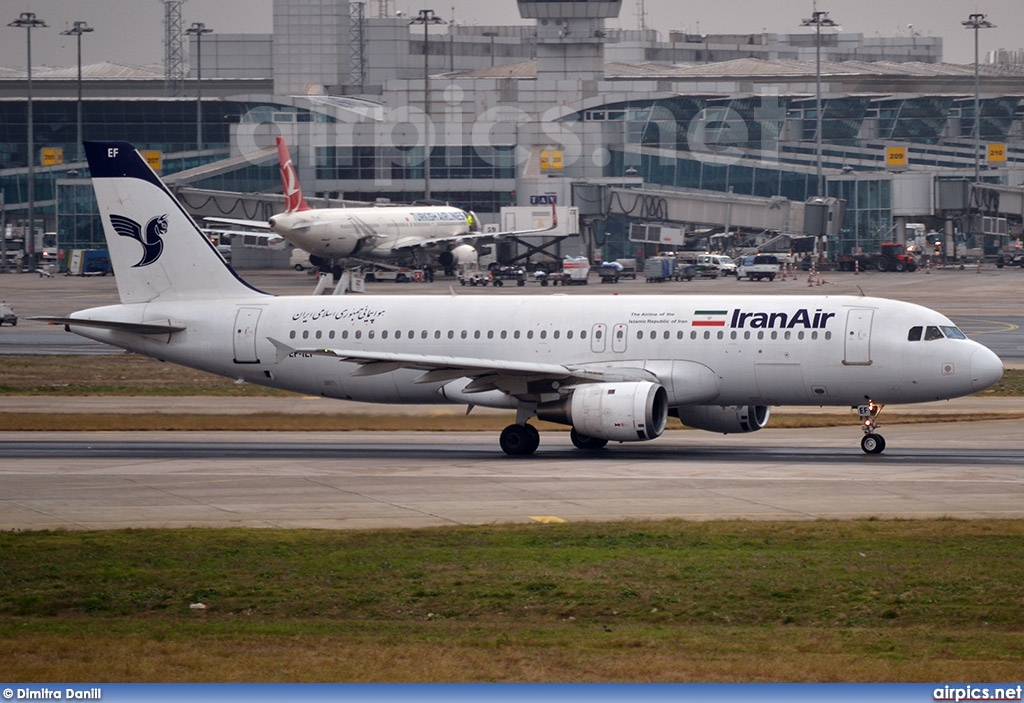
<point>871,443</point>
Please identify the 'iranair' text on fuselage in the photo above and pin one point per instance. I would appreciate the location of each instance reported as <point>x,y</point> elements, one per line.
<point>801,319</point>
<point>741,319</point>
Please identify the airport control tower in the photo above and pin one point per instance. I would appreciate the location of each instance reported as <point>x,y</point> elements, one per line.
<point>570,36</point>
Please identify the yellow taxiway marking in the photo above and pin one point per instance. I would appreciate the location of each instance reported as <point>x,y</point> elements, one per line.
<point>546,518</point>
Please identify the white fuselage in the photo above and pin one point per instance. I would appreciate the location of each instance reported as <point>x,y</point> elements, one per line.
<point>373,233</point>
<point>705,350</point>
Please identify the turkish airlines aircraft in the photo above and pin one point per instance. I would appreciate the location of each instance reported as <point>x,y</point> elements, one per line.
<point>613,368</point>
<point>385,233</point>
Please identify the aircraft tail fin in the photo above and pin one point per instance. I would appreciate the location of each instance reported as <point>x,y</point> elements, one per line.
<point>157,250</point>
<point>294,200</point>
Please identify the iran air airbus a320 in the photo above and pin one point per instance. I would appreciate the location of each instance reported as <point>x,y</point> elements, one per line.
<point>612,368</point>
<point>333,235</point>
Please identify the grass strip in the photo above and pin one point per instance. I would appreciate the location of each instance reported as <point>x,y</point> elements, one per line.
<point>660,601</point>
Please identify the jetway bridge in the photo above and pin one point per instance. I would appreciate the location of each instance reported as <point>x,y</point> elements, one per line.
<point>725,211</point>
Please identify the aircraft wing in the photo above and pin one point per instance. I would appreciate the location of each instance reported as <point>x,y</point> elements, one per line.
<point>488,374</point>
<point>255,224</point>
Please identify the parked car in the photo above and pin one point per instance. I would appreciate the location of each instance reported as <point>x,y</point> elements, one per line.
<point>7,314</point>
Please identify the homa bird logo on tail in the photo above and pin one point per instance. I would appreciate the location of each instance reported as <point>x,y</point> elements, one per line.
<point>152,244</point>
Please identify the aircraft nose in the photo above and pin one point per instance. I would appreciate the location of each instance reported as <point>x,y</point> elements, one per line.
<point>986,368</point>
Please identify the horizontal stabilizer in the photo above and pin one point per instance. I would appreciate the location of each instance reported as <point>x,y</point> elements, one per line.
<point>131,327</point>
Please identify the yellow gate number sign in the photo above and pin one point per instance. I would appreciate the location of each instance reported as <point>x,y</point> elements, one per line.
<point>155,159</point>
<point>996,153</point>
<point>550,159</point>
<point>896,156</point>
<point>53,156</point>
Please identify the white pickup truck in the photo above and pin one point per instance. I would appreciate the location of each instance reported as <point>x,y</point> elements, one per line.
<point>755,268</point>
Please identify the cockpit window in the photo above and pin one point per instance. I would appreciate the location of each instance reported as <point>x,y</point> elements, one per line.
<point>916,334</point>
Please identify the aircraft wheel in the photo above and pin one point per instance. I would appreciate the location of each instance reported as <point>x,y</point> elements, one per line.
<point>873,444</point>
<point>519,440</point>
<point>582,441</point>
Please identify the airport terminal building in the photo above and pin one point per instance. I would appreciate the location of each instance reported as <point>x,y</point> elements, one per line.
<point>678,140</point>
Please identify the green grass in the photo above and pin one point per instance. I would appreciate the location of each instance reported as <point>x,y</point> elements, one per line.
<point>668,601</point>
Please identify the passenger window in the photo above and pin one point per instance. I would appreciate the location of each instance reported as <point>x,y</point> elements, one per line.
<point>932,333</point>
<point>915,334</point>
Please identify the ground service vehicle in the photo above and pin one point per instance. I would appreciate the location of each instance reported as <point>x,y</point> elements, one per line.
<point>893,257</point>
<point>714,265</point>
<point>756,268</point>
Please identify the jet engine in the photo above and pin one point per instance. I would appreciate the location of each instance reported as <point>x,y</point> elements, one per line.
<point>462,254</point>
<point>726,419</point>
<point>620,412</point>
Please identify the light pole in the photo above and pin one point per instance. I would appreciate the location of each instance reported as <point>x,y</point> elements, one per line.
<point>28,21</point>
<point>198,29</point>
<point>977,21</point>
<point>818,20</point>
<point>426,18</point>
<point>78,30</point>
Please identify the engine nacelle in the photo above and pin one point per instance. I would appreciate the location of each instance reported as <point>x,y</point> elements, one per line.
<point>726,419</point>
<point>463,254</point>
<point>620,412</point>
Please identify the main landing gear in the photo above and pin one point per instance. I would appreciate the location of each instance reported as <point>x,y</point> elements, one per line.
<point>519,440</point>
<point>523,440</point>
<point>871,443</point>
